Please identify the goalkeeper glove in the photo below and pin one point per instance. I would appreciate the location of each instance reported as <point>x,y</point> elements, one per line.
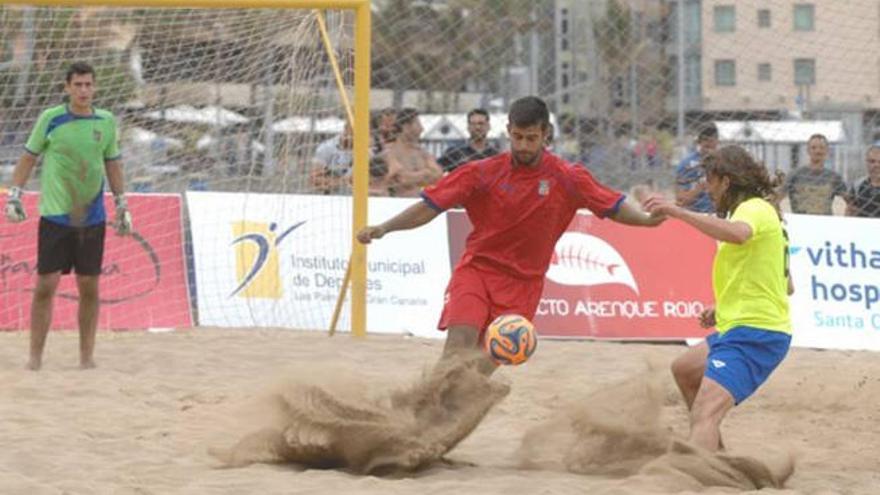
<point>122,224</point>
<point>14,209</point>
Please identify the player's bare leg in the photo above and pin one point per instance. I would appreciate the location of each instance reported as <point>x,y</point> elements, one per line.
<point>41,316</point>
<point>709,408</point>
<point>461,339</point>
<point>688,370</point>
<point>88,318</point>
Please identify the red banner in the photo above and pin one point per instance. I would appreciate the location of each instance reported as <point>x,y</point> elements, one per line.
<point>613,281</point>
<point>143,283</point>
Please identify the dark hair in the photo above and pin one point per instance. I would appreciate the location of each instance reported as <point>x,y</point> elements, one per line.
<point>707,131</point>
<point>529,111</point>
<point>818,136</point>
<point>748,178</point>
<point>79,69</point>
<point>477,111</point>
<point>405,116</point>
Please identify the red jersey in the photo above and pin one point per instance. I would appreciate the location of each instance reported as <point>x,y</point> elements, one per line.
<point>518,212</point>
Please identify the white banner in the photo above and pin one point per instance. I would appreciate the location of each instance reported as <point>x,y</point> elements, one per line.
<point>835,264</point>
<point>279,260</point>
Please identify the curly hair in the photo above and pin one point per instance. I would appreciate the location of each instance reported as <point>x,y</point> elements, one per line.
<point>748,178</point>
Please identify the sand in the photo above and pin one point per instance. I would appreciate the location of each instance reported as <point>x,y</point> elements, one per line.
<point>580,417</point>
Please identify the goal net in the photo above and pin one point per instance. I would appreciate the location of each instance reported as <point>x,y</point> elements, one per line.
<point>220,112</point>
<point>227,109</point>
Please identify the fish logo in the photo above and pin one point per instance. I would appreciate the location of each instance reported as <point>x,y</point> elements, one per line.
<point>583,260</point>
<point>256,258</point>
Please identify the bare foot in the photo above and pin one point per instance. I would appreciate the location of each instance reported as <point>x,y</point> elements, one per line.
<point>34,364</point>
<point>87,365</point>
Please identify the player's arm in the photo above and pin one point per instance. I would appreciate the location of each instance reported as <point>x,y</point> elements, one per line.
<point>410,218</point>
<point>630,214</point>
<point>735,232</point>
<point>115,176</point>
<point>116,180</point>
<point>453,189</point>
<point>22,171</point>
<point>35,145</point>
<point>20,175</point>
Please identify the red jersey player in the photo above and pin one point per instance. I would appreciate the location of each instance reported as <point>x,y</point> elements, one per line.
<point>520,203</point>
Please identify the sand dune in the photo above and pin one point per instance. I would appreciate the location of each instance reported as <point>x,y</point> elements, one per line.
<point>581,417</point>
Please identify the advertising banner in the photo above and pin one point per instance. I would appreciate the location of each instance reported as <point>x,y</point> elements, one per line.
<point>279,261</point>
<point>608,280</point>
<point>835,266</point>
<point>143,283</point>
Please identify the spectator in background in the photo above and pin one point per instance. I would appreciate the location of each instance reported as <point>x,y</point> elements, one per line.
<point>864,197</point>
<point>812,189</point>
<point>331,165</point>
<point>410,167</point>
<point>384,129</point>
<point>477,147</point>
<point>690,175</point>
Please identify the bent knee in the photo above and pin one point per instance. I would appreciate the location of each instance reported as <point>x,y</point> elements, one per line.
<point>684,369</point>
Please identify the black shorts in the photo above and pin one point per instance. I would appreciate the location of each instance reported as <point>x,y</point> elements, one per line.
<point>61,248</point>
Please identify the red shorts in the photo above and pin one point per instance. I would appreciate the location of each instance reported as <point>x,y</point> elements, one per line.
<point>475,297</point>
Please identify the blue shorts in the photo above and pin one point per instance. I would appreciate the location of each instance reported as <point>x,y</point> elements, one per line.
<point>742,358</point>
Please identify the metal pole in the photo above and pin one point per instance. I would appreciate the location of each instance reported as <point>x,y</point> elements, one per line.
<point>534,56</point>
<point>633,75</point>
<point>681,71</point>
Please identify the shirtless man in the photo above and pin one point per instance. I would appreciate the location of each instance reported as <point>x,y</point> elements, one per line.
<point>410,167</point>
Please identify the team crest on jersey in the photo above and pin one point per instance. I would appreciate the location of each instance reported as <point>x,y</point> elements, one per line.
<point>543,187</point>
<point>96,134</point>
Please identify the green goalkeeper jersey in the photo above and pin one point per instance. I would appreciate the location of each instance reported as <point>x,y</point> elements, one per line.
<point>74,149</point>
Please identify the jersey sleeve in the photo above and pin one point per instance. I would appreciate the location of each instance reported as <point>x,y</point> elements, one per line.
<point>37,141</point>
<point>111,151</point>
<point>455,188</point>
<point>593,195</point>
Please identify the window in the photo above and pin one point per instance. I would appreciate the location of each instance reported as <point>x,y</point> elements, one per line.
<point>725,73</point>
<point>805,71</point>
<point>764,72</point>
<point>692,76</point>
<point>725,18</point>
<point>804,17</point>
<point>563,29</point>
<point>763,18</point>
<point>692,21</point>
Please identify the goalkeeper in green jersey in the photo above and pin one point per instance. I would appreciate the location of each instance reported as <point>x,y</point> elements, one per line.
<point>79,148</point>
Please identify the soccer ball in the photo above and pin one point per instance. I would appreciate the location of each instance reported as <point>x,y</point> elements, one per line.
<point>510,339</point>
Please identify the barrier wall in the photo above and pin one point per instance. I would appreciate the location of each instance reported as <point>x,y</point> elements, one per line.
<point>835,264</point>
<point>279,260</point>
<point>144,279</point>
<point>608,280</point>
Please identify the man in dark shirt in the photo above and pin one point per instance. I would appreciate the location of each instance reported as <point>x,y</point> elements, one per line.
<point>476,148</point>
<point>864,197</point>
